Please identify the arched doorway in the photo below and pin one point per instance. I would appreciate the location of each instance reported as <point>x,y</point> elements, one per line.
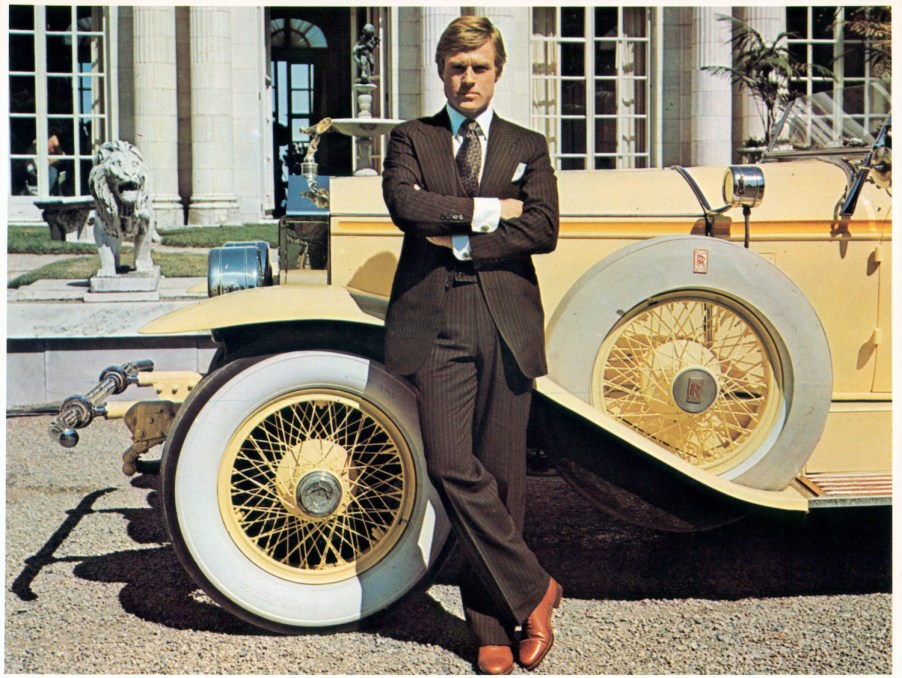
<point>310,70</point>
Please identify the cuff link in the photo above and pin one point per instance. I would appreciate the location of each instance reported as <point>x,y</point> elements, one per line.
<point>485,228</point>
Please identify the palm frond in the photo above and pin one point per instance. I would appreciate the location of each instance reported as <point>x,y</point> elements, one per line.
<point>764,68</point>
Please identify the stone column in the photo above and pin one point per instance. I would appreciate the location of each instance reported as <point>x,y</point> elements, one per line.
<point>749,112</point>
<point>712,95</point>
<point>156,108</point>
<point>512,95</point>
<point>410,63</point>
<point>213,201</point>
<point>249,105</point>
<point>434,20</point>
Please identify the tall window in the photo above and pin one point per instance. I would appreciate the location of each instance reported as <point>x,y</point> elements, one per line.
<point>293,89</point>
<point>58,82</point>
<point>823,37</point>
<point>590,85</point>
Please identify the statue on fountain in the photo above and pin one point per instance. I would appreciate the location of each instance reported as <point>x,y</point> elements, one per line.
<point>363,54</point>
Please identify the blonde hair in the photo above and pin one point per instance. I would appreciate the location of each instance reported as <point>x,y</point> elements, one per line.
<point>467,33</point>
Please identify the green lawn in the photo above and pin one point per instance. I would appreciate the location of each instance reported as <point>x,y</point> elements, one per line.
<point>172,265</point>
<point>36,239</point>
<point>219,235</point>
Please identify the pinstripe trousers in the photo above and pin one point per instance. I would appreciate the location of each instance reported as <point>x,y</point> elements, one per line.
<point>474,408</point>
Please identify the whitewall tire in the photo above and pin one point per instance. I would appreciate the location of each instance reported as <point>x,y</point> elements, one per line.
<point>295,489</point>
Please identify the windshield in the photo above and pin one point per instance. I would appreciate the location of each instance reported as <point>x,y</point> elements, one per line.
<point>836,119</point>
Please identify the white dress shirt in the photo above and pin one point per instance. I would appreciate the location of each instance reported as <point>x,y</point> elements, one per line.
<point>486,211</point>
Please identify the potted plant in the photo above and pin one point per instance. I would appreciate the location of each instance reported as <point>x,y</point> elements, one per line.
<point>766,69</point>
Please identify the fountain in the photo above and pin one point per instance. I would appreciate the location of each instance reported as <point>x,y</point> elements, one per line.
<point>363,126</point>
<point>303,243</point>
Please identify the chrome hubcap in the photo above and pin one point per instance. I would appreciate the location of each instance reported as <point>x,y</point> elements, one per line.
<point>694,390</point>
<point>319,494</point>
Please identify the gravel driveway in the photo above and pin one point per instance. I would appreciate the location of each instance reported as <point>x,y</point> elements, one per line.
<point>92,586</point>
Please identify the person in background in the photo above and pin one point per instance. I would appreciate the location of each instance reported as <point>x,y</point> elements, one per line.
<point>54,148</point>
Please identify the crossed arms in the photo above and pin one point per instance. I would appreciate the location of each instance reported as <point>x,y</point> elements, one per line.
<point>528,206</point>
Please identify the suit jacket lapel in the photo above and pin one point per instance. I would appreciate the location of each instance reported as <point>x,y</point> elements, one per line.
<point>497,171</point>
<point>437,156</point>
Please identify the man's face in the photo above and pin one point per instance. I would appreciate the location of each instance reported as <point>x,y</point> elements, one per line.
<point>470,79</point>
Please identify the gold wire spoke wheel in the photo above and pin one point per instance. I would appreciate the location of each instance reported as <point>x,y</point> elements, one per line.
<point>316,486</point>
<point>295,493</point>
<point>732,371</point>
<point>695,372</point>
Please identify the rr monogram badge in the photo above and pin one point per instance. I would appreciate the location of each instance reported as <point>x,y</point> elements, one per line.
<point>694,390</point>
<point>700,261</point>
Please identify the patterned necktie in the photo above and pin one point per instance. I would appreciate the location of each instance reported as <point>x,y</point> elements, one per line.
<point>469,158</point>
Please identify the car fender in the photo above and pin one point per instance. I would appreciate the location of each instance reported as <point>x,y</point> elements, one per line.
<point>695,479</point>
<point>262,305</point>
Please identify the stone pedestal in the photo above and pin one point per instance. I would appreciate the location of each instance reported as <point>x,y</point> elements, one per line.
<point>364,161</point>
<point>364,93</point>
<point>130,282</point>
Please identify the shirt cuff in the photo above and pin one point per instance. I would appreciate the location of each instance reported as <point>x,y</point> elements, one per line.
<point>486,215</point>
<point>460,245</point>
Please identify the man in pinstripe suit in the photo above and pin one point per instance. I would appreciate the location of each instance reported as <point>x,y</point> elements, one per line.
<point>465,323</point>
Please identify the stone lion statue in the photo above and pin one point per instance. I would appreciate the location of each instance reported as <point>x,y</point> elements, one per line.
<point>123,208</point>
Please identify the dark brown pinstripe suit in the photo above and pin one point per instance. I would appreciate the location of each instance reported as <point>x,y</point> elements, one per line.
<point>473,346</point>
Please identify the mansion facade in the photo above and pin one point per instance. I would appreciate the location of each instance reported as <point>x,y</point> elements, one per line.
<point>214,97</point>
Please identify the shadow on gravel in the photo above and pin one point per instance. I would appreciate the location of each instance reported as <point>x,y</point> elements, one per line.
<point>420,619</point>
<point>46,554</point>
<point>593,556</point>
<point>157,589</point>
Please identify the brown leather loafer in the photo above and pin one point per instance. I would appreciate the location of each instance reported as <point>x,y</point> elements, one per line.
<point>495,660</point>
<point>537,636</point>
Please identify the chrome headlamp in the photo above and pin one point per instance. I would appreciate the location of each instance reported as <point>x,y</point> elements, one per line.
<point>743,186</point>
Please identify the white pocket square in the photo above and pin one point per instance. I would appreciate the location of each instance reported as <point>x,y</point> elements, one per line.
<point>519,172</point>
